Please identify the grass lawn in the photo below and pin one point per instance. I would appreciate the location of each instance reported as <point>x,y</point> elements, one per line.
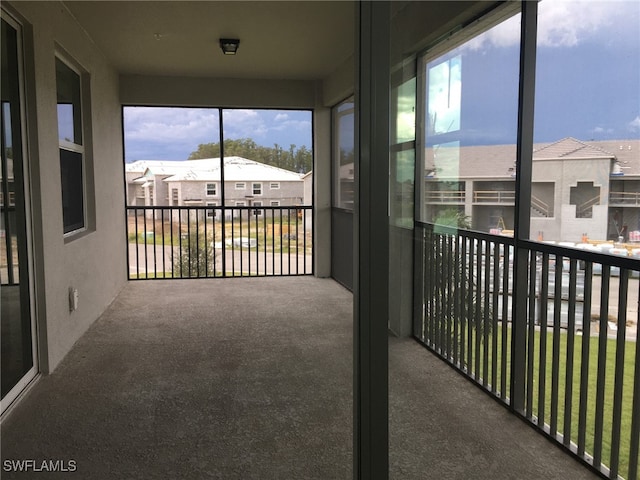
<point>481,368</point>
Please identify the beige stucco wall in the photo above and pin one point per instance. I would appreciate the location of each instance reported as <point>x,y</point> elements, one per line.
<point>216,92</point>
<point>94,263</point>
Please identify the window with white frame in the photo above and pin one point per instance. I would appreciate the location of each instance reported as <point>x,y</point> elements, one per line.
<point>241,203</point>
<point>175,196</point>
<point>212,189</point>
<point>241,186</point>
<point>256,188</point>
<point>274,185</point>
<point>275,203</point>
<point>257,211</point>
<point>71,147</point>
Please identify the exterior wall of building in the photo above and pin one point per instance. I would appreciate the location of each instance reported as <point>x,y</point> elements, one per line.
<point>80,261</point>
<point>289,193</point>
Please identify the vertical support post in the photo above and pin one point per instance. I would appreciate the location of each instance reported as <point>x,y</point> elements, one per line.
<point>371,234</point>
<point>223,200</point>
<point>526,100</point>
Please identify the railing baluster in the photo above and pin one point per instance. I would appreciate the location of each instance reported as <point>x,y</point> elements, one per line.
<point>463,295</point>
<point>233,242</point>
<point>478,310</point>
<point>471,292</point>
<point>449,288</point>
<point>197,259</point>
<point>602,365</point>
<point>288,241</point>
<point>297,243</point>
<point>180,262</point>
<point>533,268</point>
<point>584,359</point>
<point>634,443</point>
<point>240,244</point>
<point>137,246</point>
<point>618,383</point>
<point>544,313</point>
<point>155,256</point>
<point>495,246</point>
<point>571,333</point>
<point>146,259</point>
<point>555,366</point>
<point>456,298</point>
<point>505,322</point>
<point>485,314</point>
<point>258,242</point>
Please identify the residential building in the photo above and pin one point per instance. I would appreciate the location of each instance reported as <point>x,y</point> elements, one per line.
<point>579,189</point>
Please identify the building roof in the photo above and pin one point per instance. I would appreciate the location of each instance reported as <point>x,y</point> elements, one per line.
<point>498,161</point>
<point>208,170</point>
<point>569,147</point>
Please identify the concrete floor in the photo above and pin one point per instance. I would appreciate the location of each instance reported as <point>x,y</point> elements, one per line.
<point>251,379</point>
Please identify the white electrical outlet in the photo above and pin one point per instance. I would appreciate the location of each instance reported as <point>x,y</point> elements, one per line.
<point>73,299</point>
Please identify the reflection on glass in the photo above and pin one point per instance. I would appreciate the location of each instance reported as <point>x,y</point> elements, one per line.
<point>445,96</point>
<point>343,155</point>
<point>69,113</point>
<point>587,125</point>
<point>471,131</point>
<point>406,112</point>
<point>402,202</point>
<point>15,317</point>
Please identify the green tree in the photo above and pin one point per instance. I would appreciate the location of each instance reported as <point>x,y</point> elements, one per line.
<point>299,160</point>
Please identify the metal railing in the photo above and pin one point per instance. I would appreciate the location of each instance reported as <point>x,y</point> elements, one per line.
<point>573,352</point>
<point>624,198</point>
<point>444,196</point>
<point>494,196</point>
<point>213,241</point>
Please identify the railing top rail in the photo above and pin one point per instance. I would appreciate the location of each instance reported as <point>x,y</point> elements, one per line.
<point>550,248</point>
<point>448,230</point>
<point>221,207</point>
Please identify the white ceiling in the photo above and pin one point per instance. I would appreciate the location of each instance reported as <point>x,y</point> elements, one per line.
<point>278,40</point>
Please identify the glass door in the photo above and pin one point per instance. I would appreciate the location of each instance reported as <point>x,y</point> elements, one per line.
<point>18,365</point>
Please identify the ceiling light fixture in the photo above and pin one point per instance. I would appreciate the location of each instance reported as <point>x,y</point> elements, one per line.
<point>229,46</point>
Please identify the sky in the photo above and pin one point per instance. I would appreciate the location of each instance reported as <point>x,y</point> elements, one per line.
<point>587,77</point>
<point>168,133</point>
<point>587,87</point>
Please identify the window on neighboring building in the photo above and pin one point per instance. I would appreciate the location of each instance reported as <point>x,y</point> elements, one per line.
<point>256,189</point>
<point>274,185</point>
<point>241,204</point>
<point>241,186</point>
<point>275,203</point>
<point>71,146</point>
<point>212,189</point>
<point>175,196</point>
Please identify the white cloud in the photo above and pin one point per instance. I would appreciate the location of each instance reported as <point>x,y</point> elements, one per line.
<point>173,133</point>
<point>634,125</point>
<point>567,23</point>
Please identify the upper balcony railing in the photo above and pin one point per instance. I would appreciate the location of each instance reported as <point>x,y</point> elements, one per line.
<point>444,196</point>
<point>558,342</point>
<point>494,196</point>
<point>201,242</point>
<point>624,199</point>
